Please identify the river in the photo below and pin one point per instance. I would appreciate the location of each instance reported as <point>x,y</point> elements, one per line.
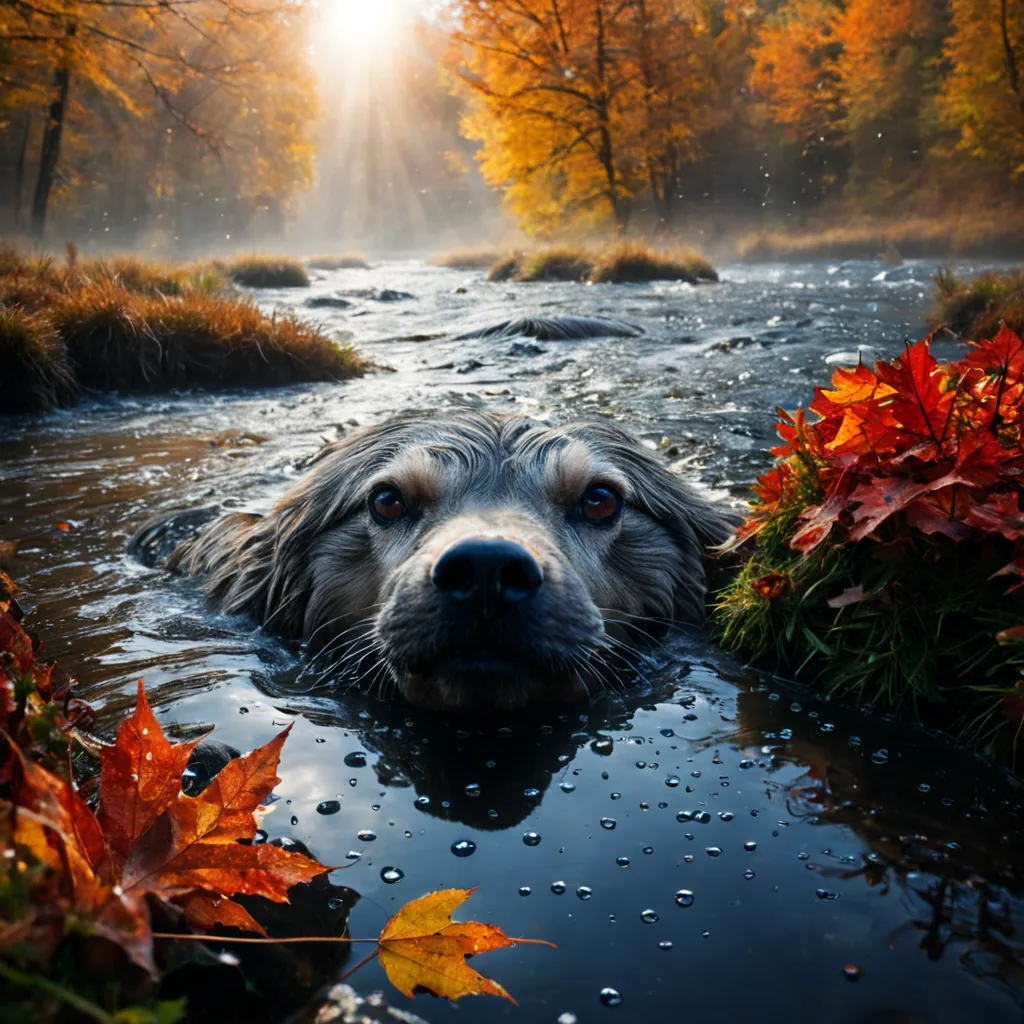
<point>716,844</point>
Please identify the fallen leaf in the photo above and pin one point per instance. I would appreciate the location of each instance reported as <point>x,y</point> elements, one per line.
<point>421,947</point>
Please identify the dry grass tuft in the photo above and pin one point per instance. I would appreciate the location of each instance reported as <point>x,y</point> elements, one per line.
<point>466,259</point>
<point>37,374</point>
<point>267,272</point>
<point>630,262</point>
<point>983,233</point>
<point>345,261</point>
<point>624,263</point>
<point>129,325</point>
<point>126,341</point>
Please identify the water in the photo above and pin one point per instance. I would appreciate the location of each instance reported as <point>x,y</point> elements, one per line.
<point>914,842</point>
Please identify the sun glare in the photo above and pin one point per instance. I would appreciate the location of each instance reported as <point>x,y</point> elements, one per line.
<point>356,25</point>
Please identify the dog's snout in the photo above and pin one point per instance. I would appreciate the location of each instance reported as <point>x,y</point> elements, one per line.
<point>491,570</point>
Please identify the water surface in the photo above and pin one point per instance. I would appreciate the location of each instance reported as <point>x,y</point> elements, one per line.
<point>842,867</point>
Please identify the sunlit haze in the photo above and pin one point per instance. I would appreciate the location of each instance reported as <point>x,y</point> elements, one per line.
<point>362,28</point>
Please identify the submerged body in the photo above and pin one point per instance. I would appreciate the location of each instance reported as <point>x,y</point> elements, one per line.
<point>471,560</point>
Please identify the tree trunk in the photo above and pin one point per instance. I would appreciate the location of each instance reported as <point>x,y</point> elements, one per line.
<point>50,153</point>
<point>19,170</point>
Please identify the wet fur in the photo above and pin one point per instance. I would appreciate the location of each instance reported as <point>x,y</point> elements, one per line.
<point>317,568</point>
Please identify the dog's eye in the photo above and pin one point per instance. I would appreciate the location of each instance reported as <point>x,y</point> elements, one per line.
<point>387,505</point>
<point>600,505</point>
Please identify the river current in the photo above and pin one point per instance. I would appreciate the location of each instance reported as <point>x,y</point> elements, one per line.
<point>717,843</point>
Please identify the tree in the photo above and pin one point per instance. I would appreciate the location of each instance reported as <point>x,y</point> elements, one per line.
<point>982,97</point>
<point>229,74</point>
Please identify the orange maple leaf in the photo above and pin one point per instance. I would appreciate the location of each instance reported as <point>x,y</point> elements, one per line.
<point>149,839</point>
<point>421,947</point>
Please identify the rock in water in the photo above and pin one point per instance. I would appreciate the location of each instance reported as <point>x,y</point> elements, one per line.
<point>555,328</point>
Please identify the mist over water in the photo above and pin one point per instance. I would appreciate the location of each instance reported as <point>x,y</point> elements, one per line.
<point>713,843</point>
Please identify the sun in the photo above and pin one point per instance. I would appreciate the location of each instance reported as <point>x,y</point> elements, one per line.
<point>356,25</point>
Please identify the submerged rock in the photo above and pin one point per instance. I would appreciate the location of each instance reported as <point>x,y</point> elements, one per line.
<point>328,302</point>
<point>555,328</point>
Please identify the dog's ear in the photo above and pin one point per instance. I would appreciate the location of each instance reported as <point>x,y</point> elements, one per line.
<point>258,566</point>
<point>694,523</point>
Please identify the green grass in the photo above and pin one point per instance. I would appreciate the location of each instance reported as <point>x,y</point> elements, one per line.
<point>343,261</point>
<point>974,309</point>
<point>624,263</point>
<point>267,272</point>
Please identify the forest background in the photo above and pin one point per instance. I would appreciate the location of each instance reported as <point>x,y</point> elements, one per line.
<point>181,127</point>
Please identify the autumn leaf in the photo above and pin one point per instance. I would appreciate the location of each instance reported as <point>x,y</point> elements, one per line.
<point>770,586</point>
<point>151,840</point>
<point>421,947</point>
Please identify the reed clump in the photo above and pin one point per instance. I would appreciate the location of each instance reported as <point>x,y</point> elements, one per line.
<point>37,373</point>
<point>341,261</point>
<point>465,259</point>
<point>266,272</point>
<point>624,263</point>
<point>983,233</point>
<point>127,325</point>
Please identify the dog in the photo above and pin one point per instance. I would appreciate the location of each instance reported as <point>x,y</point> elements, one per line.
<point>469,560</point>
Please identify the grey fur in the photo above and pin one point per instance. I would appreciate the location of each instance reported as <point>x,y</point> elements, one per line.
<point>318,568</point>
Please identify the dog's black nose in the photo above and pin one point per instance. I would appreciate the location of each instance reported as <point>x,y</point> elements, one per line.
<point>490,570</point>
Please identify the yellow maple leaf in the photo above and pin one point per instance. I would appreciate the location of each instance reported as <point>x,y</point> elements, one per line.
<point>421,947</point>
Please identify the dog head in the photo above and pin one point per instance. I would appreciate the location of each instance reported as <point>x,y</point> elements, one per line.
<point>471,560</point>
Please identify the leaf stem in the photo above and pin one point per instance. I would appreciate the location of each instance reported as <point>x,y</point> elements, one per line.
<point>55,991</point>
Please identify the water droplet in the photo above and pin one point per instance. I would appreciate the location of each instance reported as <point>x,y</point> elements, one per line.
<point>649,917</point>
<point>336,903</point>
<point>610,997</point>
<point>924,788</point>
<point>803,856</point>
<point>880,756</point>
<point>608,823</point>
<point>644,805</point>
<point>357,759</point>
<point>750,847</point>
<point>726,815</point>
<point>473,789</point>
<point>524,890</point>
<point>531,839</point>
<point>422,801</point>
<point>672,781</point>
<point>824,894</point>
<point>328,807</point>
<point>391,875</point>
<point>684,816</point>
<point>567,787</point>
<point>366,835</point>
<point>852,972</point>
<point>648,850</point>
<point>584,892</point>
<point>713,851</point>
<point>641,764</point>
<point>665,944</point>
<point>353,855</point>
<point>243,711</point>
<point>702,816</point>
<point>684,898</point>
<point>463,847</point>
<point>748,874</point>
<point>558,888</point>
<point>616,796</point>
<point>320,739</point>
<point>295,820</point>
<point>695,773</point>
<point>567,1018</point>
<point>667,732</point>
<point>623,862</point>
<point>352,782</point>
<point>531,793</point>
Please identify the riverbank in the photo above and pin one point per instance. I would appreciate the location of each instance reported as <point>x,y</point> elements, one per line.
<point>136,326</point>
